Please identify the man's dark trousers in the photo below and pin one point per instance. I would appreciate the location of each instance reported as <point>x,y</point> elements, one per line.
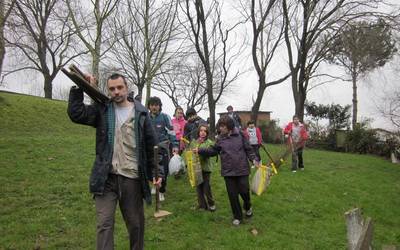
<point>128,193</point>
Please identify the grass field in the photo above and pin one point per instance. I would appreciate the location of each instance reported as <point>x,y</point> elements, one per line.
<point>44,200</point>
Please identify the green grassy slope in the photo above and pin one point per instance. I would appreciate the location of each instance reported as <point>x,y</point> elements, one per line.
<point>45,162</point>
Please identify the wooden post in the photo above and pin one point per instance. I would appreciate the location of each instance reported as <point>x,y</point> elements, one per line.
<point>156,176</point>
<point>359,232</point>
<point>158,213</point>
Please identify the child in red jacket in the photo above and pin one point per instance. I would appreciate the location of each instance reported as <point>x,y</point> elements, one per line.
<point>297,135</point>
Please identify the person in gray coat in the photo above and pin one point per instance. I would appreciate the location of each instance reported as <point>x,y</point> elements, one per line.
<point>235,152</point>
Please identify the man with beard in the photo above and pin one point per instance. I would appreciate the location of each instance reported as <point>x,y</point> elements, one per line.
<point>124,161</point>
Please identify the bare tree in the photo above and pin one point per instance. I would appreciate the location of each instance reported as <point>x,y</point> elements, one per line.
<point>266,22</point>
<point>38,33</point>
<point>90,20</point>
<point>391,109</point>
<point>309,26</point>
<point>210,38</point>
<point>5,10</point>
<point>387,100</point>
<point>147,38</point>
<point>184,83</point>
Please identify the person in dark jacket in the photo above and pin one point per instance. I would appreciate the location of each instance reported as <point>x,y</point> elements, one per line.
<point>190,132</point>
<point>235,117</point>
<point>124,161</point>
<point>166,136</point>
<point>235,151</point>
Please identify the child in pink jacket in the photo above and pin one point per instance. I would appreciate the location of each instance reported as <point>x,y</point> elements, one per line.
<point>179,122</point>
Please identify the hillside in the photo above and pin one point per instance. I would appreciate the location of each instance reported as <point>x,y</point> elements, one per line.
<point>44,201</point>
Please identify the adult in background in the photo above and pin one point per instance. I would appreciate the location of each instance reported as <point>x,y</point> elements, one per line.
<point>192,125</point>
<point>179,122</point>
<point>166,136</point>
<point>124,161</point>
<point>235,117</point>
<point>253,134</point>
<point>297,135</point>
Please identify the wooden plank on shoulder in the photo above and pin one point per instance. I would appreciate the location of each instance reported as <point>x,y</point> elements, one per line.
<point>78,77</point>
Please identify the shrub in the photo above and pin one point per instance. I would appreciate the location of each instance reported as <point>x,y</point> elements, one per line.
<point>361,140</point>
<point>271,132</point>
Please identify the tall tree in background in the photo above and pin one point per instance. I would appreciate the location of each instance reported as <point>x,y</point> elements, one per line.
<point>146,33</point>
<point>267,28</point>
<point>38,33</point>
<point>210,39</point>
<point>90,21</point>
<point>184,83</point>
<point>360,48</point>
<point>309,26</point>
<point>5,10</point>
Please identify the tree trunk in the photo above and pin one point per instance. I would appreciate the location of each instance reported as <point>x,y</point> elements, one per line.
<point>2,43</point>
<point>148,90</point>
<point>48,87</point>
<point>212,121</point>
<point>95,65</point>
<point>355,109</point>
<point>140,93</point>
<point>299,95</point>
<point>295,92</point>
<point>257,103</point>
<point>300,105</point>
<point>2,49</point>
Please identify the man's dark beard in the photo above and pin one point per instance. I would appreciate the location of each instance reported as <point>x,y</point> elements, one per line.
<point>117,99</point>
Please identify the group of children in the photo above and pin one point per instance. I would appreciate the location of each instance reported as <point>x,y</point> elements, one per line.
<point>234,146</point>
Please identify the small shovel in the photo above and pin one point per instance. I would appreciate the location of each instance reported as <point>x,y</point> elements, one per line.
<point>158,213</point>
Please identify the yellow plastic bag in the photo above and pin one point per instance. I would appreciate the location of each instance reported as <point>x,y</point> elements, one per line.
<point>193,168</point>
<point>260,180</point>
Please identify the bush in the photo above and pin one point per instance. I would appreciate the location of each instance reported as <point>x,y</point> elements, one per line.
<point>271,132</point>
<point>361,140</point>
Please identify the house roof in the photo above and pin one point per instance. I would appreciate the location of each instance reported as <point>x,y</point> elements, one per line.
<point>245,111</point>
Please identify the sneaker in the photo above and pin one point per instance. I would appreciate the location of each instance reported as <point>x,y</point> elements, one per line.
<point>249,213</point>
<point>153,190</point>
<point>236,222</point>
<point>212,208</point>
<point>161,196</point>
<point>294,171</point>
<point>302,169</point>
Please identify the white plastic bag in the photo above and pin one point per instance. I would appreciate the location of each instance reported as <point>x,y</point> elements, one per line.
<point>175,164</point>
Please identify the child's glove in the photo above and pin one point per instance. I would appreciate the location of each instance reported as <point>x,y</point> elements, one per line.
<point>256,163</point>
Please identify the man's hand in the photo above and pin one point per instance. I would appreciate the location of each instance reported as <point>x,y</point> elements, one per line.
<point>158,182</point>
<point>195,150</point>
<point>92,80</point>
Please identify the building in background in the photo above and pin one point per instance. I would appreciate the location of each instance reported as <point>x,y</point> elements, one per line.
<point>245,116</point>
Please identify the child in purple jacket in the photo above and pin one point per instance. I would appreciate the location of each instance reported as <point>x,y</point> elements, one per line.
<point>235,151</point>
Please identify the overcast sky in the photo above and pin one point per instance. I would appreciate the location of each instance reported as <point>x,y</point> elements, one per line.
<point>277,99</point>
